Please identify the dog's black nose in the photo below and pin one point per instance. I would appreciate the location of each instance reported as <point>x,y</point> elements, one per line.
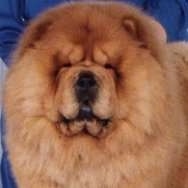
<point>86,87</point>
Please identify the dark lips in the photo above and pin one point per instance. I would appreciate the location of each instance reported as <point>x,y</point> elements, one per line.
<point>86,114</point>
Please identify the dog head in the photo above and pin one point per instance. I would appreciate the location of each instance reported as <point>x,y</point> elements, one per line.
<point>86,66</point>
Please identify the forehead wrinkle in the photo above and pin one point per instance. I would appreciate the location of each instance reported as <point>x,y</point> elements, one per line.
<point>100,56</point>
<point>76,54</point>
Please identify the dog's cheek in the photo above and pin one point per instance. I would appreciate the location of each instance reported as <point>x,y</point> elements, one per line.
<point>122,93</point>
<point>65,97</point>
<point>50,106</point>
<point>105,104</point>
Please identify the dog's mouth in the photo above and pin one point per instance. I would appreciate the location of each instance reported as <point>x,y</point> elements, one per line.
<point>85,122</point>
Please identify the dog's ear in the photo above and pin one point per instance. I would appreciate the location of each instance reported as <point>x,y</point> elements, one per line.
<point>130,26</point>
<point>148,31</point>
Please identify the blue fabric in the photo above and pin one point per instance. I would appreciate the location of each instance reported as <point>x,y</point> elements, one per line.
<point>6,176</point>
<point>14,15</point>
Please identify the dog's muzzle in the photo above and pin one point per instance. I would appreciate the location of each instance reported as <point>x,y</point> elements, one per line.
<point>86,92</point>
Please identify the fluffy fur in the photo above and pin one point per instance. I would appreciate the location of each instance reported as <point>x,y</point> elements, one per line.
<point>143,90</point>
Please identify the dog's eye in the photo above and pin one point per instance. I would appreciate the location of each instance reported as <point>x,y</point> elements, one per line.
<point>108,66</point>
<point>113,69</point>
<point>66,65</point>
<point>61,67</point>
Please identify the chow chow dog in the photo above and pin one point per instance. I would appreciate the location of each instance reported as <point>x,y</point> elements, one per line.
<point>96,98</point>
